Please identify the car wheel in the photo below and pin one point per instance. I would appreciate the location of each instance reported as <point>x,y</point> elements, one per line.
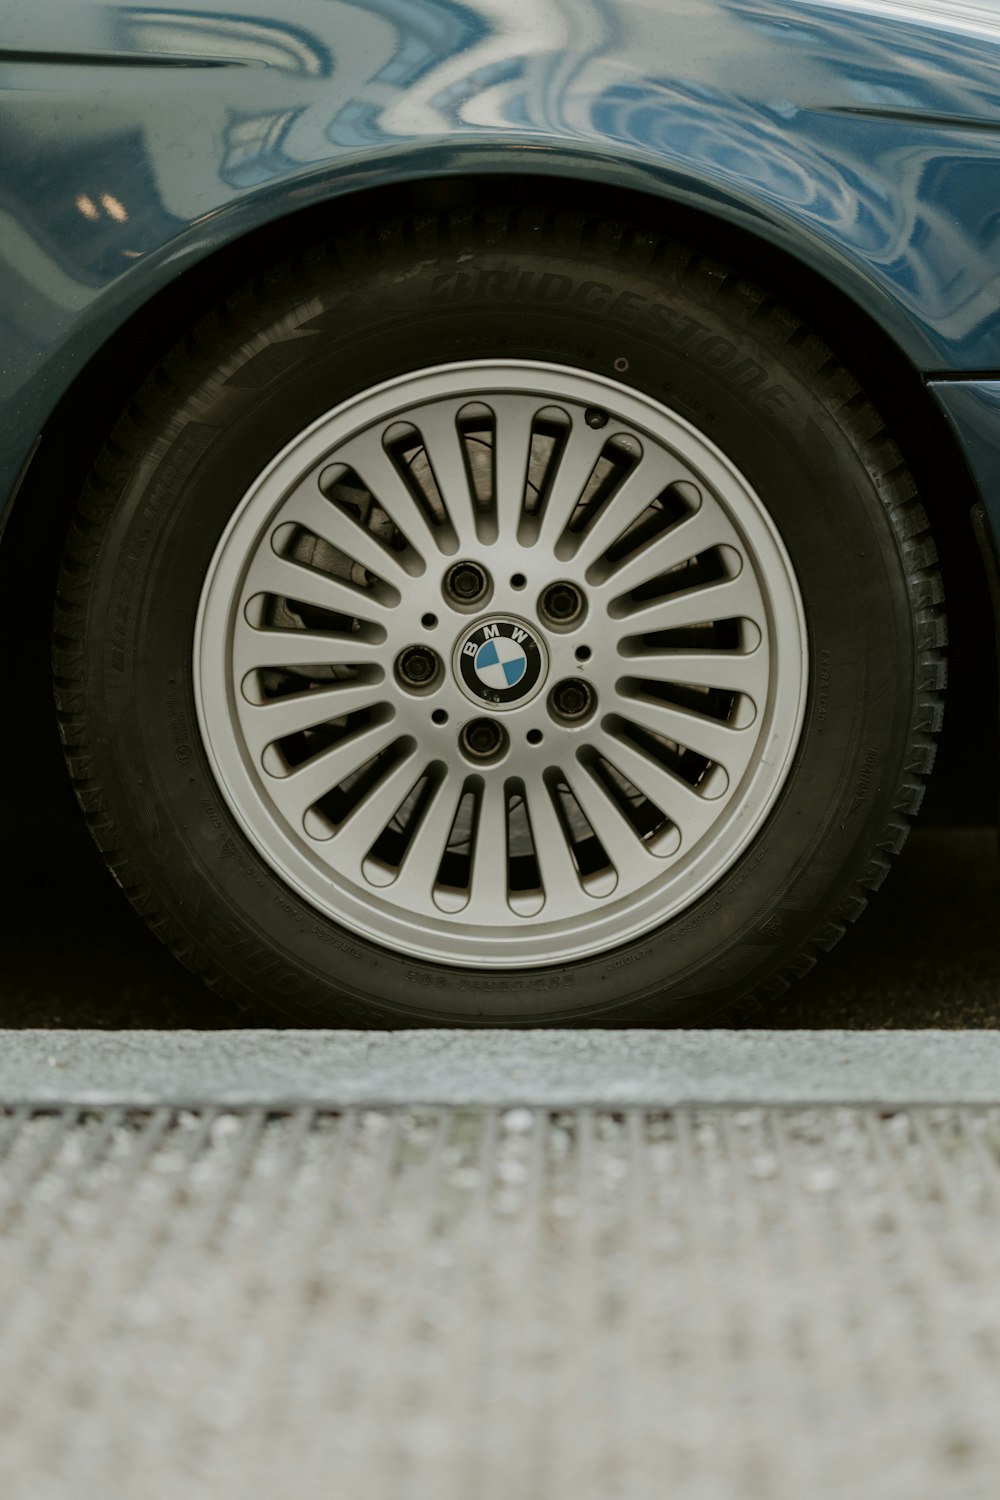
<point>499,617</point>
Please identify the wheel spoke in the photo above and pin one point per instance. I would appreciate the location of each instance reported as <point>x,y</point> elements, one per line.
<point>264,723</point>
<point>622,844</point>
<point>295,793</point>
<point>680,802</point>
<point>718,742</point>
<point>708,527</point>
<point>272,574</point>
<point>446,451</point>
<point>732,671</point>
<point>300,648</point>
<point>511,453</point>
<point>413,885</point>
<point>731,598</point>
<point>490,864</point>
<point>372,815</point>
<point>580,453</point>
<point>368,458</point>
<point>310,508</point>
<point>560,877</point>
<point>637,491</point>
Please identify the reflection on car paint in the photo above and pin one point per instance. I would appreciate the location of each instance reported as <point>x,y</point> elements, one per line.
<point>862,137</point>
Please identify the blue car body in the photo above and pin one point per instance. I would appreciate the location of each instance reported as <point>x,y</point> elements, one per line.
<point>860,141</point>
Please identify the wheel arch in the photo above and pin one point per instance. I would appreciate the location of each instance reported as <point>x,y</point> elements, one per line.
<point>85,412</point>
<point>135,344</point>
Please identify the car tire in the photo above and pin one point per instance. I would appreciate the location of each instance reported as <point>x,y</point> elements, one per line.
<point>338,426</point>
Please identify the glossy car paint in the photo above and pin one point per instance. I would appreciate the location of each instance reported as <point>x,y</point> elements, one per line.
<point>136,140</point>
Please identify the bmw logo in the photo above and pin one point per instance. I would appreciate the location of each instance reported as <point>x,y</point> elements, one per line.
<point>500,662</point>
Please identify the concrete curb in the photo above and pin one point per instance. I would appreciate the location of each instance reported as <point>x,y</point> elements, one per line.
<point>335,1069</point>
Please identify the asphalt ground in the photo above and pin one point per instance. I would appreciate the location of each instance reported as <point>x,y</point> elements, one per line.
<point>925,954</point>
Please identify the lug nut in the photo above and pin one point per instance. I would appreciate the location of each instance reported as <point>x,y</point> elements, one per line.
<point>417,666</point>
<point>466,582</point>
<point>561,603</point>
<point>483,739</point>
<point>571,699</point>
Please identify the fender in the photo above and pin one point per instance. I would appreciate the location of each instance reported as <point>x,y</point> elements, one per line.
<point>821,130</point>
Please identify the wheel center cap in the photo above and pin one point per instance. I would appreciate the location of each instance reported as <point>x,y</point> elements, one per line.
<point>500,662</point>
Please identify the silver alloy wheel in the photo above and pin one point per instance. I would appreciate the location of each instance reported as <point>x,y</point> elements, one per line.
<point>431,809</point>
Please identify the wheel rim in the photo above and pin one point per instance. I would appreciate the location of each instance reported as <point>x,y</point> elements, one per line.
<point>638,664</point>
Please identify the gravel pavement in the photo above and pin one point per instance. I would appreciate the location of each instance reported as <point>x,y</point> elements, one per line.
<point>440,1304</point>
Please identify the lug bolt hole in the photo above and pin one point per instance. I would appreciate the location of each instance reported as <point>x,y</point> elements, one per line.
<point>572,700</point>
<point>418,668</point>
<point>561,605</point>
<point>466,583</point>
<point>483,740</point>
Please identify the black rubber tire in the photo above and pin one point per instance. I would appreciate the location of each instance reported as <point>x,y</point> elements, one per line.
<point>512,282</point>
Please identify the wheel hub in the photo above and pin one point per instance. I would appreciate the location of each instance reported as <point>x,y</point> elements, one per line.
<point>501,662</point>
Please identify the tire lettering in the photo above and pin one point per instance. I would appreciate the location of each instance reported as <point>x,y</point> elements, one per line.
<point>494,284</point>
<point>452,286</point>
<point>663,318</point>
<point>553,288</point>
<point>694,922</point>
<point>627,306</point>
<point>755,374</point>
<point>592,296</point>
<point>690,327</point>
<point>717,351</point>
<point>863,789</point>
<point>776,399</point>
